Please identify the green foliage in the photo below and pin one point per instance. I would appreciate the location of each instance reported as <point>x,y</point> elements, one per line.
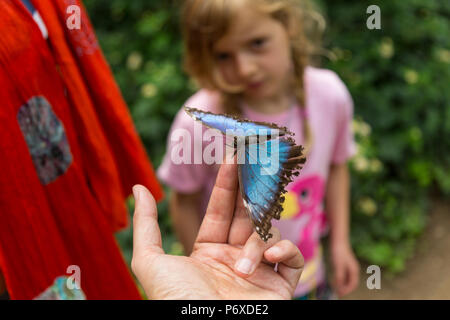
<point>141,41</point>
<point>398,77</point>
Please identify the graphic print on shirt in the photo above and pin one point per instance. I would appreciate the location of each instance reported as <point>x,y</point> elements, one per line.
<point>304,209</point>
<point>46,139</point>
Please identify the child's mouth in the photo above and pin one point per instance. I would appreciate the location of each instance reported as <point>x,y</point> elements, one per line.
<point>255,85</point>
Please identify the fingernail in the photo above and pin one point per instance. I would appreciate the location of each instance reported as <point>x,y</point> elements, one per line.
<point>244,265</point>
<point>274,251</point>
<point>136,193</point>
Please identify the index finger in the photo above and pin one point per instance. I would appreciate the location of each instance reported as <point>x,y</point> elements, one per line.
<point>146,232</point>
<point>216,223</point>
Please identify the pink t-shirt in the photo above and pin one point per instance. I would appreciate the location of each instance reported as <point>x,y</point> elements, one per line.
<point>303,220</point>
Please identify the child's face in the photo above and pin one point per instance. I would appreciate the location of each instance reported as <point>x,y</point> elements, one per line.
<point>255,55</point>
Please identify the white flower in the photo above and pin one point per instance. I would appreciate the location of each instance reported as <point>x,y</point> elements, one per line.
<point>148,90</point>
<point>355,124</point>
<point>386,48</point>
<point>361,164</point>
<point>134,60</point>
<point>411,76</point>
<point>365,129</point>
<point>375,165</point>
<point>443,55</point>
<point>367,206</point>
<point>361,128</point>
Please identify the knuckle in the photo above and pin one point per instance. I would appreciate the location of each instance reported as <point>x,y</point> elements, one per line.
<point>291,247</point>
<point>301,259</point>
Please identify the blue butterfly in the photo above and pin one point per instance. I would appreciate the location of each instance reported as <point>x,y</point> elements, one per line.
<point>268,159</point>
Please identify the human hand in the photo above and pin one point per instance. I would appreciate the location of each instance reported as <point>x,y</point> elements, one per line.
<point>346,269</point>
<point>225,237</point>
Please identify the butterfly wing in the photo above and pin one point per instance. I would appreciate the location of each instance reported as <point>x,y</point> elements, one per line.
<point>233,125</point>
<point>262,185</point>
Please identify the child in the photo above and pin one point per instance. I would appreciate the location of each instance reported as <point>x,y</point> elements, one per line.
<point>250,58</point>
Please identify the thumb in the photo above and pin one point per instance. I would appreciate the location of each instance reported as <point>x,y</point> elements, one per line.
<point>253,252</point>
<point>146,233</point>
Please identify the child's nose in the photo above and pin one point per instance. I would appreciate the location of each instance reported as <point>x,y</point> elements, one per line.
<point>246,66</point>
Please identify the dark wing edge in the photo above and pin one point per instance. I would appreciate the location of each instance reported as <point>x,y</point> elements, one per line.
<point>289,170</point>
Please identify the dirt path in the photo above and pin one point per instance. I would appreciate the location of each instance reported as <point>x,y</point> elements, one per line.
<point>427,274</point>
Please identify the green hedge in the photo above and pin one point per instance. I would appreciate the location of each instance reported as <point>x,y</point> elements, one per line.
<point>398,77</point>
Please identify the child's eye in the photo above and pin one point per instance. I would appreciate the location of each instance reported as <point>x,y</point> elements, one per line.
<point>222,56</point>
<point>258,43</point>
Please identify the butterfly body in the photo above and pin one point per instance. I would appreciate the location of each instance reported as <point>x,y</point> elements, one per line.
<point>268,163</point>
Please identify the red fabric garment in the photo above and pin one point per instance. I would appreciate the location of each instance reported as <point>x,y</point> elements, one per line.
<point>48,225</point>
<point>103,116</point>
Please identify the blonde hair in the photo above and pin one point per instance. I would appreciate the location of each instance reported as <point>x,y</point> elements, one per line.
<point>206,21</point>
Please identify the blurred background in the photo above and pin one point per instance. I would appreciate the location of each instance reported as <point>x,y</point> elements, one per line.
<point>399,79</point>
